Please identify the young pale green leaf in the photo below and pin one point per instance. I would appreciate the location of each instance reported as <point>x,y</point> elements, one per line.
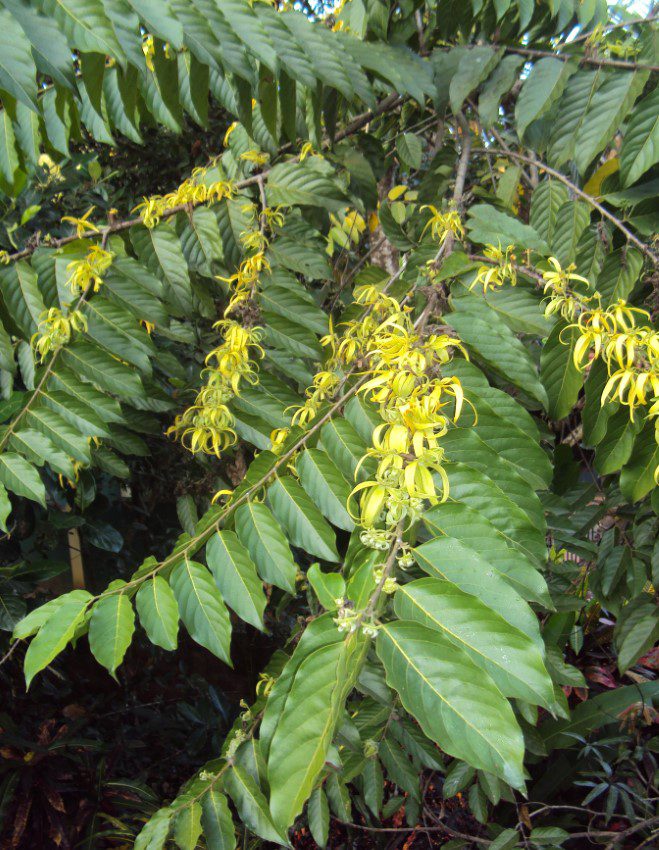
<point>456,703</point>
<point>32,622</point>
<point>187,827</point>
<point>640,146</point>
<point>235,575</point>
<point>252,805</point>
<point>301,519</point>
<point>325,484</point>
<point>111,628</point>
<point>202,609</point>
<point>21,477</point>
<point>56,632</point>
<point>154,833</point>
<point>560,376</point>
<point>158,612</point>
<point>216,821</point>
<point>318,816</point>
<point>511,658</point>
<point>258,530</point>
<point>328,587</point>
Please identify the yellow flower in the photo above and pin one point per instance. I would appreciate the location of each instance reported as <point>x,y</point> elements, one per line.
<point>82,225</point>
<point>442,224</point>
<point>88,271</point>
<point>257,157</point>
<point>56,329</point>
<point>149,51</point>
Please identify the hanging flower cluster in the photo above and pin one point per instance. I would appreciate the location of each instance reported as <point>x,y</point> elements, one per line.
<point>207,426</point>
<point>88,272</point>
<point>443,224</point>
<point>197,189</point>
<point>501,269</point>
<point>56,329</point>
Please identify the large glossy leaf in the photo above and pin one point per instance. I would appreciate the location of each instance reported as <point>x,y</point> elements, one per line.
<point>456,703</point>
<point>306,724</point>
<point>548,197</point>
<point>258,530</point>
<point>251,804</point>
<point>465,524</point>
<point>235,575</point>
<point>202,609</point>
<point>217,822</point>
<point>511,658</point>
<point>449,559</point>
<point>17,69</point>
<point>85,25</point>
<point>300,518</point>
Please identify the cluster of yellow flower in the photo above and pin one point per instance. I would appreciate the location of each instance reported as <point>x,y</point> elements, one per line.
<point>207,426</point>
<point>195,190</point>
<point>56,329</point>
<point>416,405</point>
<point>88,272</point>
<point>620,335</point>
<point>501,269</point>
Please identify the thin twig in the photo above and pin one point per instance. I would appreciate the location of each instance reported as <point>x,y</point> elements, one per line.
<point>589,60</point>
<point>577,191</point>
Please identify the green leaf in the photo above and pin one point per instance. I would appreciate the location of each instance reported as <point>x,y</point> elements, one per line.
<point>328,587</point>
<point>475,66</point>
<point>640,146</point>
<point>202,609</point>
<point>409,149</point>
<point>49,47</point>
<point>449,559</point>
<point>543,86</point>
<point>306,724</point>
<point>572,110</point>
<point>201,241</point>
<point>301,519</point>
<point>288,335</point>
<point>154,833</point>
<point>258,530</point>
<point>548,197</point>
<point>236,577</point>
<point>498,348</point>
<point>91,362</point>
<point>318,816</point>
<point>19,292</point>
<point>560,376</point>
<point>5,507</point>
<point>85,25</point>
<point>158,612</point>
<point>490,226</point>
<point>615,448</point>
<point>17,69</point>
<point>571,220</point>
<point>511,658</point>
<point>500,82</point>
<point>187,827</point>
<point>21,477</point>
<point>111,628</point>
<point>160,251</point>
<point>308,183</point>
<point>636,631</point>
<point>456,703</point>
<point>251,805</point>
<point>345,447</point>
<point>471,528</point>
<point>56,632</point>
<point>595,415</point>
<point>637,476</point>
<point>326,486</point>
<point>608,108</point>
<point>217,822</point>
<point>619,274</point>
